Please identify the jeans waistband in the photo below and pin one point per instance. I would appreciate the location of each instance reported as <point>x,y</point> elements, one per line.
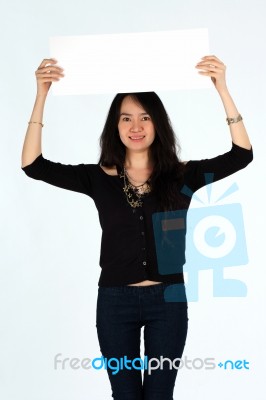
<point>157,288</point>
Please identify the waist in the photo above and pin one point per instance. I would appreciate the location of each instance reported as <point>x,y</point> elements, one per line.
<point>144,283</point>
<point>169,289</point>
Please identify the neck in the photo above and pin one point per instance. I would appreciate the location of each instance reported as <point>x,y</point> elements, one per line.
<point>138,161</point>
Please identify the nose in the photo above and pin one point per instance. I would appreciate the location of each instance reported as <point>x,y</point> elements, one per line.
<point>136,127</point>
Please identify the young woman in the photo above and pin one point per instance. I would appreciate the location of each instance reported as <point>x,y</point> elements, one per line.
<point>138,176</point>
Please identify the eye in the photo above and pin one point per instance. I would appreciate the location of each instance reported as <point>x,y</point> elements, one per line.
<point>126,119</point>
<point>146,118</point>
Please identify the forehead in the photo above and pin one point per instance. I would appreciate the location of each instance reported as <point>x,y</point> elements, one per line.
<point>131,103</point>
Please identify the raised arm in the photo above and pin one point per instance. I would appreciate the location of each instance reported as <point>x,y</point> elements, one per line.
<point>47,73</point>
<point>213,67</point>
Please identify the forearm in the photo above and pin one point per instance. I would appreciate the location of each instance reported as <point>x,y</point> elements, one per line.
<point>47,73</point>
<point>32,146</point>
<point>238,131</point>
<point>214,68</point>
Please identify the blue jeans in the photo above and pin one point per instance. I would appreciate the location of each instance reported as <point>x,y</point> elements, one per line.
<point>121,312</point>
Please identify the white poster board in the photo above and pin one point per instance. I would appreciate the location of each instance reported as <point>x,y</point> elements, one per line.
<point>130,62</point>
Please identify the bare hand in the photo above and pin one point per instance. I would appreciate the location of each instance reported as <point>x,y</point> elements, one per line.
<point>215,68</point>
<point>47,73</point>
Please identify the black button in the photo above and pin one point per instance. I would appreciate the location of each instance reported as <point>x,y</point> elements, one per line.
<point>144,263</point>
<point>142,233</point>
<point>143,248</point>
<point>141,217</point>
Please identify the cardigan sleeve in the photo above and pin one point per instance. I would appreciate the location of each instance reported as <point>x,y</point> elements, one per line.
<point>65,176</point>
<point>202,172</point>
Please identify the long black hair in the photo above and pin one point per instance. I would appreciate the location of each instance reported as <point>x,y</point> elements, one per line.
<point>166,178</point>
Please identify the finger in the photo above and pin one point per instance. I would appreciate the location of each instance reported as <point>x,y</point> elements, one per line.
<point>49,76</point>
<point>212,57</point>
<point>208,73</point>
<point>49,69</point>
<point>47,61</point>
<point>212,61</point>
<point>49,66</point>
<point>211,65</point>
<point>48,80</point>
<point>209,68</point>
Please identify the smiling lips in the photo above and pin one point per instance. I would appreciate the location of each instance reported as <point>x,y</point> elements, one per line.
<point>136,138</point>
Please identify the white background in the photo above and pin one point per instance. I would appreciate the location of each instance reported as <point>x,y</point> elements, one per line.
<point>50,238</point>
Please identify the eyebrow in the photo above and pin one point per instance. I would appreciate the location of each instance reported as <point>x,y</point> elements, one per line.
<point>130,115</point>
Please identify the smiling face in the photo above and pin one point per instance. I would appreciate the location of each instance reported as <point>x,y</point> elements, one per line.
<point>136,129</point>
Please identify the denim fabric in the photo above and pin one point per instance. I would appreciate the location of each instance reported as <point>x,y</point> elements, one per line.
<point>121,313</point>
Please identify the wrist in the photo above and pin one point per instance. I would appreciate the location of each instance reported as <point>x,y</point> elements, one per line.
<point>40,101</point>
<point>223,91</point>
<point>41,96</point>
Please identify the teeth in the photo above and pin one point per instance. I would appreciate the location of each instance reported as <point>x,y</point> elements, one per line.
<point>136,137</point>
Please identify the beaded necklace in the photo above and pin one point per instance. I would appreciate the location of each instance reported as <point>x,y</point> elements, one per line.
<point>134,194</point>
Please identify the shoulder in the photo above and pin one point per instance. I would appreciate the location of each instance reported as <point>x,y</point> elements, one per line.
<point>109,170</point>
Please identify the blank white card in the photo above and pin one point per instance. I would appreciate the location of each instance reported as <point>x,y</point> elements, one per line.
<point>130,62</point>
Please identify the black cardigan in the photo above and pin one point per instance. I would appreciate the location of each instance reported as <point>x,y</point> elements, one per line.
<point>128,245</point>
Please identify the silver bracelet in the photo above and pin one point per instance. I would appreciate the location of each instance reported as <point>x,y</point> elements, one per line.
<point>35,122</point>
<point>234,120</point>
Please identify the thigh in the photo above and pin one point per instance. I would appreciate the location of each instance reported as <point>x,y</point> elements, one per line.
<point>118,330</point>
<point>165,335</point>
